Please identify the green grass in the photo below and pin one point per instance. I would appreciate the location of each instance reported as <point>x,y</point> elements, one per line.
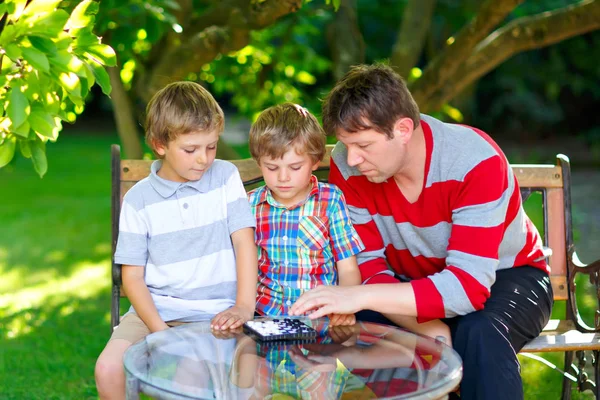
<point>55,279</point>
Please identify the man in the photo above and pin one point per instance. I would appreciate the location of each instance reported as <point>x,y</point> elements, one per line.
<point>439,211</point>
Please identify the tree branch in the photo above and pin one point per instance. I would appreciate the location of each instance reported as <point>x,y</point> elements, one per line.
<point>177,62</point>
<point>416,22</point>
<point>522,34</point>
<point>443,67</point>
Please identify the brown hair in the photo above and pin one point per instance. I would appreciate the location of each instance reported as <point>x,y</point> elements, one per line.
<point>369,97</point>
<point>285,126</point>
<point>180,108</point>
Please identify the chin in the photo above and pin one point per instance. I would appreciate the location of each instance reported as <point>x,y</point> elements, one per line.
<point>376,179</point>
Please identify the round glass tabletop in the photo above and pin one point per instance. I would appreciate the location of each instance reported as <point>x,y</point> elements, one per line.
<point>363,361</point>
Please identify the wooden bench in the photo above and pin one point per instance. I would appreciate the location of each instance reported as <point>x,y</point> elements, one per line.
<point>569,334</point>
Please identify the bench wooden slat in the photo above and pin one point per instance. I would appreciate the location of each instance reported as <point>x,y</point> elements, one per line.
<point>568,341</point>
<point>538,175</point>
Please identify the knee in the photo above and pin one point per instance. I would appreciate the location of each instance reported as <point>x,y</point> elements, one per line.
<point>108,373</point>
<point>479,331</point>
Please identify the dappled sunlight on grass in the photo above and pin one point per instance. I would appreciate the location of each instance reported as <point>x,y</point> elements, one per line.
<point>86,281</point>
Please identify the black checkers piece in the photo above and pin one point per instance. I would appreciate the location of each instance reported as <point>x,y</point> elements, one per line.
<point>279,329</point>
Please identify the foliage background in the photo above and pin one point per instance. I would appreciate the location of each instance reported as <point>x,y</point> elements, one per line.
<point>55,232</point>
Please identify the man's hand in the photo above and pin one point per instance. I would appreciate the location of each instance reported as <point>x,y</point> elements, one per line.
<point>324,300</point>
<point>231,318</point>
<point>341,319</point>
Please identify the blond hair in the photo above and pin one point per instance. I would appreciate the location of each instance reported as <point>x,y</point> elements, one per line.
<point>285,126</point>
<point>180,108</point>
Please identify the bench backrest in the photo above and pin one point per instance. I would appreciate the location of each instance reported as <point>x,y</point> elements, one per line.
<point>552,181</point>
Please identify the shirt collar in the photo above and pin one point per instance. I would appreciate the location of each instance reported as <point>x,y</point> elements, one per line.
<point>267,196</point>
<point>167,188</point>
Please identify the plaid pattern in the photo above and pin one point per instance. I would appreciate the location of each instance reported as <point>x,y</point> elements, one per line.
<point>298,246</point>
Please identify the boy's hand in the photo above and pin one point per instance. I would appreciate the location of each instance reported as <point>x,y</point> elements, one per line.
<point>341,319</point>
<point>231,318</point>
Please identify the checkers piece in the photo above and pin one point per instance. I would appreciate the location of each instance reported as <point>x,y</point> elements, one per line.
<point>279,329</point>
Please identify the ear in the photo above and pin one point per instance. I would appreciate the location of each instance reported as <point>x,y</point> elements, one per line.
<point>403,129</point>
<point>159,148</point>
<point>316,165</point>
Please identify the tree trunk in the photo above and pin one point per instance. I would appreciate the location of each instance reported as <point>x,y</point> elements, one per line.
<point>201,48</point>
<point>346,44</point>
<point>416,22</point>
<point>124,116</point>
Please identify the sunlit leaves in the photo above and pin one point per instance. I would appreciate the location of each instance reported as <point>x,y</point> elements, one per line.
<point>51,59</point>
<point>7,150</point>
<point>18,107</point>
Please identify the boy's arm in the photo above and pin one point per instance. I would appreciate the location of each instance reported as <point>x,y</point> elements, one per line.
<point>349,274</point>
<point>140,298</point>
<point>246,257</point>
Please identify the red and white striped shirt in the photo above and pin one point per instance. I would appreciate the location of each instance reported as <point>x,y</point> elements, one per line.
<point>467,223</point>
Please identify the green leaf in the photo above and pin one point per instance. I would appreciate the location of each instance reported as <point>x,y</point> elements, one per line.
<point>25,148</point>
<point>38,157</point>
<point>48,25</point>
<point>22,130</point>
<point>82,15</point>
<point>18,106</point>
<point>36,58</point>
<point>7,150</point>
<point>37,7</point>
<point>104,54</point>
<point>8,35</point>
<point>102,77</point>
<point>42,123</point>
<point>86,39</point>
<point>42,44</point>
<point>13,51</point>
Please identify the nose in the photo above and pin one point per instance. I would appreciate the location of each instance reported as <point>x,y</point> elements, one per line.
<point>283,175</point>
<point>353,157</point>
<point>201,158</point>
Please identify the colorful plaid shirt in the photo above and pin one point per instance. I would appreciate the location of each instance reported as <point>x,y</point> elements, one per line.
<point>299,246</point>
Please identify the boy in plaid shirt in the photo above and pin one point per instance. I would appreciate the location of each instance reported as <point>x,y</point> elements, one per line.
<point>304,234</point>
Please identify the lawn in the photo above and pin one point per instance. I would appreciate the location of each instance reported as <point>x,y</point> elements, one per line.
<point>55,262</point>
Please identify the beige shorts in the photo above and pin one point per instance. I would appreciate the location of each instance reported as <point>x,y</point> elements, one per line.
<point>133,329</point>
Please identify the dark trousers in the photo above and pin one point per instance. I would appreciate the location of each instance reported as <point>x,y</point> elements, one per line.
<point>488,340</point>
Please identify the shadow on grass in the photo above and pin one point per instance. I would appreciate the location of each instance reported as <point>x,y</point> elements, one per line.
<point>55,270</point>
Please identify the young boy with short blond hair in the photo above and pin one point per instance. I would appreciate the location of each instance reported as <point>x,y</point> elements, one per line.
<point>186,232</point>
<point>304,234</point>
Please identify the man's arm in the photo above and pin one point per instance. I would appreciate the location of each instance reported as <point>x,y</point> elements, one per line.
<point>140,298</point>
<point>483,204</point>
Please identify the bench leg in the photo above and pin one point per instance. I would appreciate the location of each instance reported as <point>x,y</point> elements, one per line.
<point>596,365</point>
<point>567,383</point>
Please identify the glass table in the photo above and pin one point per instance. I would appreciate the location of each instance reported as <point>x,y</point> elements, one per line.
<point>363,361</point>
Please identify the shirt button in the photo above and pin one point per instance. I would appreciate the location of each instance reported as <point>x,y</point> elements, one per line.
<point>185,205</point>
<point>289,303</point>
<point>285,238</point>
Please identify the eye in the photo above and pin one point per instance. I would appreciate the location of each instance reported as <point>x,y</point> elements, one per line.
<point>272,168</point>
<point>188,151</point>
<point>212,147</point>
<point>364,146</point>
<point>296,168</point>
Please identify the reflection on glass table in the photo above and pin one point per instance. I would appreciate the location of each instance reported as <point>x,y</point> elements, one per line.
<point>364,361</point>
